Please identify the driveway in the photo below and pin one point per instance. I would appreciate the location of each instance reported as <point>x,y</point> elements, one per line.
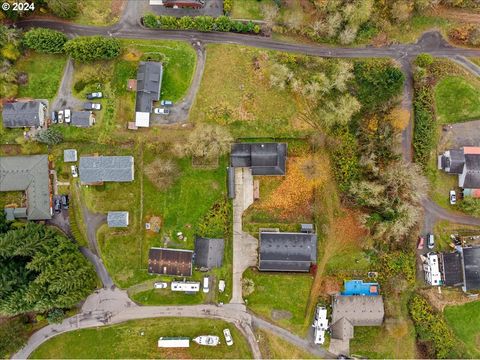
<point>460,134</point>
<point>212,8</point>
<point>61,219</point>
<point>180,111</point>
<point>65,98</point>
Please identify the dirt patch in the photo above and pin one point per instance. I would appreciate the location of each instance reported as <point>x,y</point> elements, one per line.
<point>330,285</point>
<point>456,14</point>
<point>132,54</point>
<point>117,7</point>
<point>448,297</point>
<point>281,315</point>
<point>10,149</point>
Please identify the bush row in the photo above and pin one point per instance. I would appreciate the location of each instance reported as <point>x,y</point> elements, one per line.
<point>200,23</point>
<point>83,48</point>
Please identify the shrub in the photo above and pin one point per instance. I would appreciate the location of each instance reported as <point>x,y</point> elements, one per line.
<point>45,40</point>
<point>162,173</point>
<point>90,48</point>
<point>55,316</point>
<point>63,8</point>
<point>424,60</point>
<point>227,6</point>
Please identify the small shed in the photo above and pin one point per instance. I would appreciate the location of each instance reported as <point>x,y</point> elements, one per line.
<point>209,252</point>
<point>70,155</point>
<point>117,219</point>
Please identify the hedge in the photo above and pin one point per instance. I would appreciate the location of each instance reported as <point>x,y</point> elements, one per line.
<point>90,48</point>
<point>200,23</point>
<point>45,40</point>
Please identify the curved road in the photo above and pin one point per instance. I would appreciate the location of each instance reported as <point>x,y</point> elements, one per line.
<point>98,312</point>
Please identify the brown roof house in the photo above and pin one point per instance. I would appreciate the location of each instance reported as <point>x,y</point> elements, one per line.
<point>175,262</point>
<point>349,311</point>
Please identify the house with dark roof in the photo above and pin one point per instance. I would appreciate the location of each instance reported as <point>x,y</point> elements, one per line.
<point>464,162</point>
<point>471,268</point>
<point>23,114</point>
<point>286,251</point>
<point>29,174</point>
<point>350,311</point>
<point>461,268</point>
<point>209,252</point>
<point>149,81</point>
<point>451,268</point>
<point>117,219</point>
<point>82,119</point>
<point>175,262</point>
<point>95,170</point>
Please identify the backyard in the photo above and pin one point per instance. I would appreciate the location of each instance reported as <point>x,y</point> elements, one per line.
<point>138,339</point>
<point>464,320</point>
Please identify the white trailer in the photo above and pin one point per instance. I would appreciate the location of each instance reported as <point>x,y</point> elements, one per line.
<point>173,342</point>
<point>431,269</point>
<point>320,324</point>
<point>187,286</point>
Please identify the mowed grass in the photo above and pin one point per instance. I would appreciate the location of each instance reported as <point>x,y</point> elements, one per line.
<point>125,341</point>
<point>464,320</point>
<point>280,292</point>
<point>457,100</point>
<point>248,9</point>
<point>274,347</point>
<point>44,74</point>
<point>234,94</point>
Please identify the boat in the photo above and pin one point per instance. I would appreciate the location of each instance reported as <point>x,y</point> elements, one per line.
<point>208,340</point>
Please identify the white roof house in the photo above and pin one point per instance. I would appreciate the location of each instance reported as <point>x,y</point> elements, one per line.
<point>320,324</point>
<point>173,342</point>
<point>432,270</point>
<point>142,119</point>
<point>187,286</point>
<point>70,155</point>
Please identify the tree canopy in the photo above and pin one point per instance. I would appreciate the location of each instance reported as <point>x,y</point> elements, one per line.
<point>66,9</point>
<point>40,270</point>
<point>45,40</point>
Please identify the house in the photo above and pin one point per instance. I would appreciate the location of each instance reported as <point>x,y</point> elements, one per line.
<point>471,268</point>
<point>23,114</point>
<point>29,174</point>
<point>117,219</point>
<point>431,269</point>
<point>175,262</point>
<point>191,4</point>
<point>358,287</point>
<point>350,311</point>
<point>320,325</point>
<point>461,268</point>
<point>70,155</point>
<point>95,170</point>
<point>451,268</point>
<point>464,162</point>
<point>209,252</point>
<point>82,119</point>
<point>285,251</point>
<point>149,81</point>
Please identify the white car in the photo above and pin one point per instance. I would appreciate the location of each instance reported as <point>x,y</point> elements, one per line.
<point>161,111</point>
<point>453,197</point>
<point>205,284</point>
<point>60,117</point>
<point>74,171</point>
<point>228,337</point>
<point>221,286</point>
<point>67,116</point>
<point>160,285</point>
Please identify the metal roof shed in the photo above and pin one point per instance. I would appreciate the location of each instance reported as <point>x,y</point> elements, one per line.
<point>209,252</point>
<point>70,155</point>
<point>117,219</point>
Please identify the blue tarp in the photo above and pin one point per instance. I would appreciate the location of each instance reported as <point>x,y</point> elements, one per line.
<point>358,287</point>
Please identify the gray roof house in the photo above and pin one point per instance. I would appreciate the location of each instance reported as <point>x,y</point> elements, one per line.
<point>82,118</point>
<point>95,170</point>
<point>117,219</point>
<point>149,81</point>
<point>464,162</point>
<point>70,155</point>
<point>471,268</point>
<point>284,251</point>
<point>351,311</point>
<point>262,158</point>
<point>23,114</point>
<point>209,252</point>
<point>29,174</point>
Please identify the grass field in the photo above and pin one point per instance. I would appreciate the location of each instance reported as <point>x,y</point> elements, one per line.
<point>100,13</point>
<point>286,294</point>
<point>274,347</point>
<point>44,74</point>
<point>236,95</point>
<point>464,320</point>
<point>248,9</point>
<point>138,339</point>
<point>457,100</point>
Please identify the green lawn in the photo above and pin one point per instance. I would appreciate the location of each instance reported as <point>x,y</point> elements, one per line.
<point>138,339</point>
<point>457,100</point>
<point>464,320</point>
<point>44,74</point>
<point>280,292</point>
<point>249,9</point>
<point>99,13</point>
<point>167,297</point>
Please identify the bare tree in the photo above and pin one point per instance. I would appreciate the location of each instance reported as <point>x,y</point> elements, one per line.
<point>208,141</point>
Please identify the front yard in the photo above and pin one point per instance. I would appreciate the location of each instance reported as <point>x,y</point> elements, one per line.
<point>464,320</point>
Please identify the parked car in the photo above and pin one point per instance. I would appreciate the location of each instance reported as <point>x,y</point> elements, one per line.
<point>67,116</point>
<point>161,111</point>
<point>166,103</point>
<point>228,337</point>
<point>54,117</point>
<point>430,241</point>
<point>453,197</point>
<point>160,285</point>
<point>94,95</point>
<point>65,201</point>
<point>421,243</point>
<point>221,285</point>
<point>60,117</point>
<point>74,171</point>
<point>58,205</point>
<point>205,284</point>
<point>92,106</point>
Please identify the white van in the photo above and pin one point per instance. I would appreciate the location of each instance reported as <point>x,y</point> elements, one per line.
<point>205,284</point>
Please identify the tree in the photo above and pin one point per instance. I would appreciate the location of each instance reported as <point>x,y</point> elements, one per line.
<point>401,10</point>
<point>162,172</point>
<point>208,141</point>
<point>66,9</point>
<point>45,40</point>
<point>50,136</point>
<point>90,48</point>
<point>55,316</point>
<point>41,270</point>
